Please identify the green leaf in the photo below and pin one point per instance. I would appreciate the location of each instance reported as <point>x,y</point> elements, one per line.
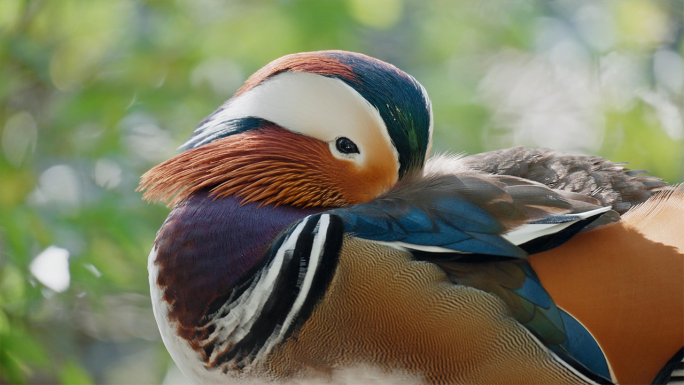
<point>4,323</point>
<point>74,374</point>
<point>12,288</point>
<point>13,370</point>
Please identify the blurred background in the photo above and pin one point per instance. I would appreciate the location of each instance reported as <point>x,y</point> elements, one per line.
<point>94,93</point>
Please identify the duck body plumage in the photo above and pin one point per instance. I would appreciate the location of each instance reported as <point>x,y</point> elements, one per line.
<point>293,256</point>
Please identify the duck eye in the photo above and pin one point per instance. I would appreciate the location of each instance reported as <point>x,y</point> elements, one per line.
<point>346,146</point>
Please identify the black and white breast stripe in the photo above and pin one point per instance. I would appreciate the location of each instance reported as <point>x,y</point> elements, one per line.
<point>279,297</point>
<point>677,377</point>
<point>673,372</point>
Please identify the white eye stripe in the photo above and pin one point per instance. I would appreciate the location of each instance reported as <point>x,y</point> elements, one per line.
<point>317,106</point>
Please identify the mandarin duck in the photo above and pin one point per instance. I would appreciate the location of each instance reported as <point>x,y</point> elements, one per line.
<point>313,239</point>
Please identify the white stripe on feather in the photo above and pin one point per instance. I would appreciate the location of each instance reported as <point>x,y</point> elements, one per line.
<point>411,246</point>
<point>314,259</point>
<point>535,230</point>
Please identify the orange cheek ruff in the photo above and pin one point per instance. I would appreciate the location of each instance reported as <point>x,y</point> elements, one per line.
<point>269,165</point>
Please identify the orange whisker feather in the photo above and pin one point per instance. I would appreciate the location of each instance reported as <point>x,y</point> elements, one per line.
<point>267,165</point>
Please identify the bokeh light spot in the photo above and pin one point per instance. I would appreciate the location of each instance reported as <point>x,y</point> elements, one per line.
<point>58,185</point>
<point>19,137</point>
<point>10,10</point>
<point>107,174</point>
<point>51,268</point>
<point>381,14</point>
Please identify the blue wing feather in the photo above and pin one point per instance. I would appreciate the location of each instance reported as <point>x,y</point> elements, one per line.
<point>583,347</point>
<point>449,222</point>
<point>532,289</point>
<point>466,216</point>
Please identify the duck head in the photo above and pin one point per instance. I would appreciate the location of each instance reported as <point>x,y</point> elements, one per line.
<point>317,129</point>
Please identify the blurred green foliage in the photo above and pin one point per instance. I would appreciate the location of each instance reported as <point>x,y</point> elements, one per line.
<point>94,93</point>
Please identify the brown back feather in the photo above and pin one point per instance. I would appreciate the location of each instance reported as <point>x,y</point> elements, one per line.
<point>610,183</point>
